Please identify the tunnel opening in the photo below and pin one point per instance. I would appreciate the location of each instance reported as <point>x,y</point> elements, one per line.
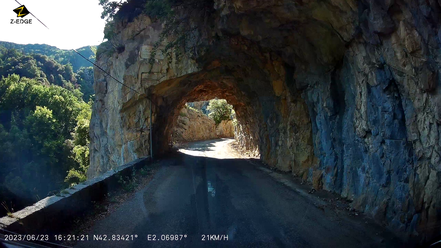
<point>204,110</point>
<point>204,120</point>
<point>209,129</point>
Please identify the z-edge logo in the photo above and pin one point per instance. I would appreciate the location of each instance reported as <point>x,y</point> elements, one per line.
<point>21,11</point>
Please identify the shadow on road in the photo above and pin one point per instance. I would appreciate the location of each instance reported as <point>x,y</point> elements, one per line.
<point>199,203</point>
<point>236,201</point>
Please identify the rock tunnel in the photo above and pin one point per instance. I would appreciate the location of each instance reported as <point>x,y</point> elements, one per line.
<point>193,89</point>
<point>342,93</point>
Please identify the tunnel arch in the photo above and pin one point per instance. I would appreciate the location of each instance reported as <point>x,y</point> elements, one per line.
<point>194,89</point>
<point>258,83</point>
<point>261,98</point>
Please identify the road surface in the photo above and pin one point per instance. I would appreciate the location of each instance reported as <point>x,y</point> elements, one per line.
<point>207,192</point>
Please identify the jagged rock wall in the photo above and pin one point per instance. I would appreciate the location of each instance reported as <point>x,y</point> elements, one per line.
<point>225,129</point>
<point>192,125</point>
<point>121,115</point>
<point>344,93</point>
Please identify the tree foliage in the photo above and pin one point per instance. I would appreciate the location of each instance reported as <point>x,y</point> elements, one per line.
<point>63,57</point>
<point>220,110</point>
<point>44,126</point>
<point>110,8</point>
<point>47,71</point>
<point>85,81</point>
<point>43,135</point>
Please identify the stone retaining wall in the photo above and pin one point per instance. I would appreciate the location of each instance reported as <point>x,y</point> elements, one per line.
<point>50,215</point>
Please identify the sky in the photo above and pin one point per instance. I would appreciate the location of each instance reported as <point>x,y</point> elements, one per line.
<point>72,23</point>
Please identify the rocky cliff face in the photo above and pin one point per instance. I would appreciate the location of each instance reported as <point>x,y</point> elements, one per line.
<point>201,105</point>
<point>344,92</point>
<point>192,125</point>
<point>225,129</point>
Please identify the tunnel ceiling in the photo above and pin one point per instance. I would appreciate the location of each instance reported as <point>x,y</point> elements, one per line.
<point>341,93</point>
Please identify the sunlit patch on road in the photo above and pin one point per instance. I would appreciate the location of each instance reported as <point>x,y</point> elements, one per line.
<point>220,149</point>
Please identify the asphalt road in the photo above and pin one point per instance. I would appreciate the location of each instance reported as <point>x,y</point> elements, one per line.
<point>206,190</point>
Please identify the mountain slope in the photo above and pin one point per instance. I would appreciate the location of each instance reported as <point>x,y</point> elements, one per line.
<point>61,56</point>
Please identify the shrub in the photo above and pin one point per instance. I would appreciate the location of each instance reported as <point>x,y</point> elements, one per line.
<point>220,110</point>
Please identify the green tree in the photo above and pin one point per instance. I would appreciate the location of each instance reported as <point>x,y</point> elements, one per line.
<point>44,121</point>
<point>80,151</point>
<point>220,110</point>
<point>43,138</point>
<point>110,8</point>
<point>63,57</point>
<point>85,80</point>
